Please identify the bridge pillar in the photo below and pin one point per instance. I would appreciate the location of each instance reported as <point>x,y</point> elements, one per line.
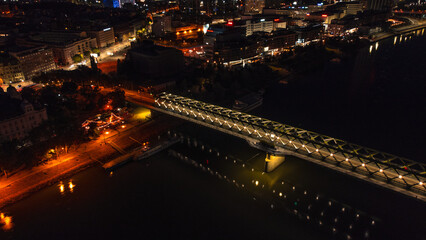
<point>273,161</point>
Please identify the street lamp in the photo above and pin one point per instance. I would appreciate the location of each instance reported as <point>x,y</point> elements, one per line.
<point>106,133</point>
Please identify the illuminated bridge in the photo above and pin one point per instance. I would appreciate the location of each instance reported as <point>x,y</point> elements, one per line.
<point>277,139</point>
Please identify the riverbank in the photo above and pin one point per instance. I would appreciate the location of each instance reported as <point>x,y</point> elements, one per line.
<point>396,32</point>
<point>98,151</point>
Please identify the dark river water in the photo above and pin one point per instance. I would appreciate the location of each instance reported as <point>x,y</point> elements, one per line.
<point>376,99</point>
<point>211,186</point>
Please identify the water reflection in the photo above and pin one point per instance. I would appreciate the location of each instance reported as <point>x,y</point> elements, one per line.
<point>61,187</point>
<point>334,217</point>
<point>6,222</point>
<point>71,186</point>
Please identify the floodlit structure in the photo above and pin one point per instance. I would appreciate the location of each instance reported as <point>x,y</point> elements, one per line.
<point>277,139</point>
<point>103,122</point>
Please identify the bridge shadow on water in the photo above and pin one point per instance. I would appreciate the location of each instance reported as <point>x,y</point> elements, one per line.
<point>329,202</point>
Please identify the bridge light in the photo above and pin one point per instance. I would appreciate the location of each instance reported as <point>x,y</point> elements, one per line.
<point>290,141</point>
<point>272,135</point>
<point>331,154</point>
<point>347,159</point>
<point>381,170</point>
<point>420,183</point>
<point>303,145</point>
<point>363,164</point>
<point>316,150</point>
<point>400,176</point>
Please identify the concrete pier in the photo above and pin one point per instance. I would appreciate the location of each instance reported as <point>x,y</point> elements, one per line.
<point>273,161</point>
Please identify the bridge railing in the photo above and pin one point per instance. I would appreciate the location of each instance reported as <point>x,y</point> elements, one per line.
<point>386,167</point>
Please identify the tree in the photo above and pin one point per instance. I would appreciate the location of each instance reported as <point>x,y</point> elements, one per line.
<point>77,58</point>
<point>29,94</point>
<point>117,97</point>
<point>96,50</point>
<point>69,88</point>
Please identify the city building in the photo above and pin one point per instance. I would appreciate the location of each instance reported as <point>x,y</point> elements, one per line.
<point>254,25</point>
<point>104,37</point>
<point>309,33</point>
<point>34,60</point>
<point>278,41</point>
<point>226,44</point>
<point>64,44</point>
<point>18,116</point>
<point>352,8</point>
<point>380,5</point>
<point>127,29</point>
<point>188,31</point>
<point>218,34</point>
<point>10,70</point>
<point>325,16</point>
<point>253,6</point>
<point>153,61</point>
<point>162,25</point>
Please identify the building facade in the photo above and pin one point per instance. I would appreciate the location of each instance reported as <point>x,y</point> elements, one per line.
<point>104,37</point>
<point>19,125</point>
<point>153,61</point>
<point>63,44</point>
<point>34,60</point>
<point>10,70</point>
<point>254,6</point>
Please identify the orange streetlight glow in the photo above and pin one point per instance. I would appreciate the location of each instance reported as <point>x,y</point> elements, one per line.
<point>71,186</point>
<point>61,188</point>
<point>6,221</point>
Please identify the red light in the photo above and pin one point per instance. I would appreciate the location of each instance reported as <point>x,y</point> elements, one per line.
<point>209,30</point>
<point>324,15</point>
<point>276,20</point>
<point>308,14</point>
<point>230,23</point>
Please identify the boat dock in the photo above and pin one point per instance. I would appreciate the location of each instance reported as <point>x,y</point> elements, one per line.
<point>138,154</point>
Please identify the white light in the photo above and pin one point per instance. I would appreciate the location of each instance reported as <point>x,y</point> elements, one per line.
<point>420,183</point>
<point>289,141</point>
<point>316,149</point>
<point>400,176</point>
<point>281,194</point>
<point>331,154</point>
<point>257,183</point>
<point>363,164</point>
<point>381,170</point>
<point>303,145</point>
<point>347,159</point>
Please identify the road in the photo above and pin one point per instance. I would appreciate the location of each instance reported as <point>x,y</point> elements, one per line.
<point>78,158</point>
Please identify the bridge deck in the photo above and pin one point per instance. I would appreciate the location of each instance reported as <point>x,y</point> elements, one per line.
<point>399,172</point>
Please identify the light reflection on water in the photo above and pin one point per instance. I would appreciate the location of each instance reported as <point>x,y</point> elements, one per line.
<point>6,222</point>
<point>61,186</point>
